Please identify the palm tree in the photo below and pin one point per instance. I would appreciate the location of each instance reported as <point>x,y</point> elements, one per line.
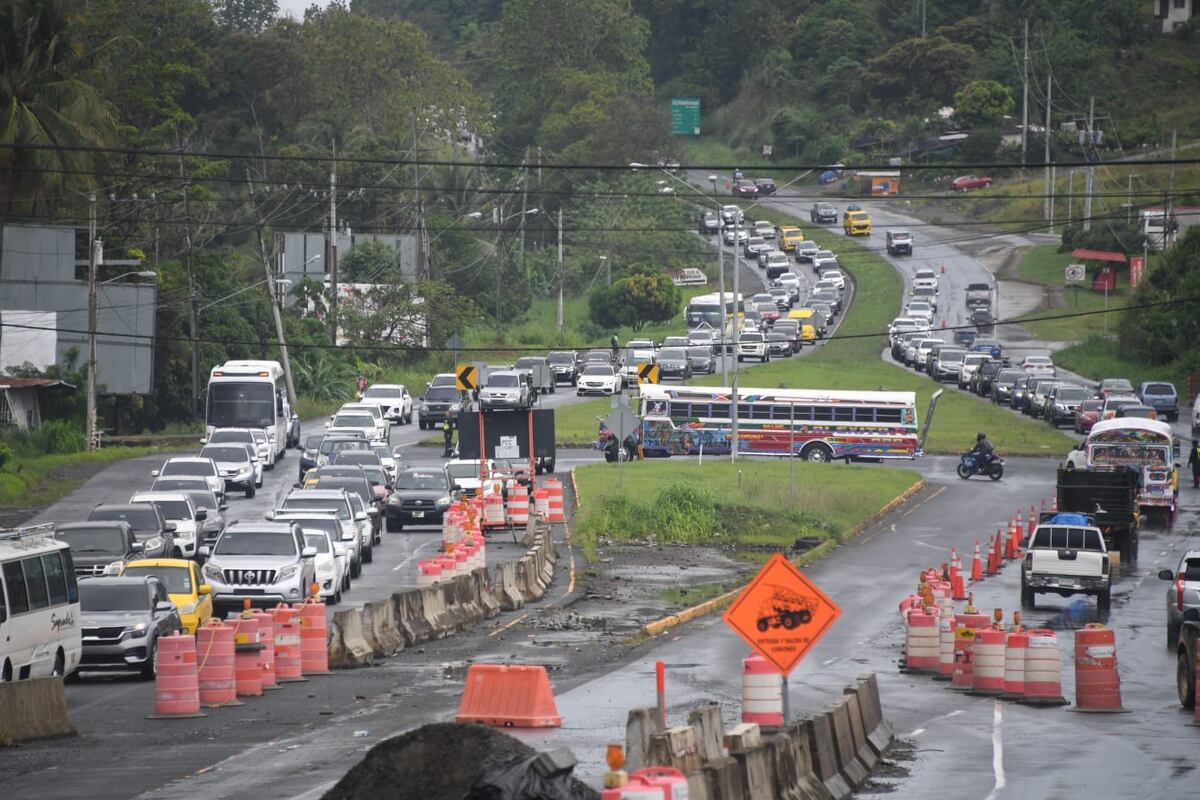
<point>47,102</point>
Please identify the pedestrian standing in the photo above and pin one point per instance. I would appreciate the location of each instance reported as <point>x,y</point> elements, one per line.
<point>1194,463</point>
<point>362,385</point>
<point>448,435</point>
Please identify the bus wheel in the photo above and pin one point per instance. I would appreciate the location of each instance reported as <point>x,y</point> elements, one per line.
<point>817,452</point>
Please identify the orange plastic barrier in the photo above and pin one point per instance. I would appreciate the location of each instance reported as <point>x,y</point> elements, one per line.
<point>286,625</point>
<point>508,697</point>
<point>554,500</point>
<point>176,686</point>
<point>945,668</point>
<point>314,638</point>
<point>518,505</point>
<point>1097,683</point>
<point>1043,678</point>
<point>266,656</point>
<point>1014,665</point>
<point>215,670</point>
<point>429,572</point>
<point>966,627</point>
<point>762,692</point>
<point>541,503</point>
<point>988,663</point>
<point>247,643</point>
<point>921,642</point>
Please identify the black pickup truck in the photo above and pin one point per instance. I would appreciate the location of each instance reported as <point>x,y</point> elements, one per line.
<point>1108,496</point>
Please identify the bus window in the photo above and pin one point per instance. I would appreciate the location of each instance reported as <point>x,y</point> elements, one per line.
<point>69,568</point>
<point>18,600</point>
<point>720,411</point>
<point>744,410</point>
<point>35,583</point>
<point>804,413</point>
<point>843,414</point>
<point>887,415</point>
<point>822,413</point>
<point>56,579</point>
<point>678,410</point>
<point>3,602</point>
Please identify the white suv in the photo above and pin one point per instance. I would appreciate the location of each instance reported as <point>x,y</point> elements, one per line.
<point>752,344</point>
<point>393,401</point>
<point>266,562</point>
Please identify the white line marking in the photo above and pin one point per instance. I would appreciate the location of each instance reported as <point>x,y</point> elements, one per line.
<point>927,544</point>
<point>916,733</point>
<point>997,749</point>
<point>408,560</point>
<point>828,661</point>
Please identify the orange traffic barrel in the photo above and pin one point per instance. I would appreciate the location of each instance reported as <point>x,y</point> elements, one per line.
<point>518,504</point>
<point>554,500</point>
<point>988,662</point>
<point>314,638</point>
<point>541,503</point>
<point>247,643</point>
<point>286,625</point>
<point>1014,665</point>
<point>176,687</point>
<point>493,511</point>
<point>762,693</point>
<point>945,667</point>
<point>215,664</point>
<point>966,627</point>
<point>266,656</point>
<point>921,642</point>
<point>1097,684</point>
<point>1043,674</point>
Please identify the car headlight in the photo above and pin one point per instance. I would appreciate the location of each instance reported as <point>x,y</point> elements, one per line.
<point>287,573</point>
<point>114,568</point>
<point>137,631</point>
<point>455,408</point>
<point>423,408</point>
<point>213,572</point>
<point>153,543</point>
<point>394,500</point>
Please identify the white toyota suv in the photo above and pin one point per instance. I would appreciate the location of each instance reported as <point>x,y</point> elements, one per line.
<point>393,401</point>
<point>752,344</point>
<point>266,562</point>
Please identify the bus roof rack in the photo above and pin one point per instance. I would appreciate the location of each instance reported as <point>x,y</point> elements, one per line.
<point>19,535</point>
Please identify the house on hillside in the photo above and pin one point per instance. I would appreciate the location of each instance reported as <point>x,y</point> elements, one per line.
<point>20,401</point>
<point>1174,14</point>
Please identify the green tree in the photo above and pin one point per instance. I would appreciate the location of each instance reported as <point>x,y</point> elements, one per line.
<point>926,70</point>
<point>980,147</point>
<point>372,261</point>
<point>48,97</point>
<point>245,16</point>
<point>983,102</point>
<point>1152,335</point>
<point>644,296</point>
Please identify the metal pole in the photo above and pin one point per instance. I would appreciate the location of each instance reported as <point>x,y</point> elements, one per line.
<point>498,212</point>
<point>1025,95</point>
<point>1049,169</point>
<point>791,453</point>
<point>271,291</point>
<point>737,333</point>
<point>660,685</point>
<point>1071,197</point>
<point>787,704</point>
<point>333,265</point>
<point>93,266</point>
<point>558,317</point>
<point>1091,171</point>
<point>1052,179</point>
<point>721,291</point>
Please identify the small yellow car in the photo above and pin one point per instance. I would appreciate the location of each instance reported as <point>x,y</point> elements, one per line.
<point>856,223</point>
<point>184,586</point>
<point>808,334</point>
<point>789,237</point>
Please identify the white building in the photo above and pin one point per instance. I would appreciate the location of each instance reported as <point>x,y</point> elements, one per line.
<point>1174,13</point>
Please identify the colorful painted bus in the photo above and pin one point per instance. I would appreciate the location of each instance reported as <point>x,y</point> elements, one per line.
<point>1146,446</point>
<point>812,424</point>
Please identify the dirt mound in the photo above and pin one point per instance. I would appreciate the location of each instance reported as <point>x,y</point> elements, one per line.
<point>434,762</point>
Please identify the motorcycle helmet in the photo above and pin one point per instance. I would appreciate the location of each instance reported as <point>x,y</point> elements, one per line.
<point>979,437</point>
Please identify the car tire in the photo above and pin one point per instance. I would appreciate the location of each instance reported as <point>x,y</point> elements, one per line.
<point>369,554</point>
<point>250,491</point>
<point>1173,634</point>
<point>355,568</point>
<point>393,527</point>
<point>1185,677</point>
<point>149,669</point>
<point>1028,596</point>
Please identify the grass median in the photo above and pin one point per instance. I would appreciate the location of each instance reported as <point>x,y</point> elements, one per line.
<point>753,505</point>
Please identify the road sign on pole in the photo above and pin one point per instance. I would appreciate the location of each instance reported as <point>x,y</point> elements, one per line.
<point>647,373</point>
<point>685,116</point>
<point>466,377</point>
<point>1075,273</point>
<point>781,614</point>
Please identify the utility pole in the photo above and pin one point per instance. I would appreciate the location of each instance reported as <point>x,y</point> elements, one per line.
<point>93,267</point>
<point>498,218</point>
<point>1049,174</point>
<point>558,317</point>
<point>193,309</point>
<point>422,255</point>
<point>1071,197</point>
<point>524,187</point>
<point>1169,209</point>
<point>1091,170</point>
<point>737,334</point>
<point>1025,95</point>
<point>1129,199</point>
<point>331,250</point>
<point>922,18</point>
<point>266,263</point>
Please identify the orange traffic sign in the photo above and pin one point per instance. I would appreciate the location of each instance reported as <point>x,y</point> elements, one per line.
<point>781,614</point>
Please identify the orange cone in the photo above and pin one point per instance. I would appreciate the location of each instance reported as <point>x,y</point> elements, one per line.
<point>989,566</point>
<point>976,566</point>
<point>1032,522</point>
<point>508,697</point>
<point>957,589</point>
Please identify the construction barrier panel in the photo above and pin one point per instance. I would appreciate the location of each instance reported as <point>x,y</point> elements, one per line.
<point>508,697</point>
<point>1097,683</point>
<point>266,656</point>
<point>555,511</point>
<point>176,685</point>
<point>35,708</point>
<point>945,647</point>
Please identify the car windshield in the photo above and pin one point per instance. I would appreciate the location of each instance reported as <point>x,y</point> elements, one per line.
<point>141,519</point>
<point>313,440</point>
<point>222,437</point>
<point>672,354</point>
<point>317,541</point>
<point>203,499</point>
<point>1091,404</point>
<point>466,470</point>
<point>562,358</point>
<point>1071,394</point>
<point>234,542</point>
<point>525,363</point>
<point>410,481</point>
<point>299,503</point>
<point>330,446</point>
<point>99,595</point>
<point>353,421</point>
<point>1038,361</point>
<point>597,369</point>
<point>699,352</point>
<point>948,356</point>
<point>326,524</point>
<point>752,337</point>
<point>358,486</point>
<point>188,468</point>
<point>443,394</point>
<point>173,509</point>
<point>225,453</point>
<point>357,457</point>
<point>1159,388</point>
<point>382,392</point>
<point>177,580</point>
<point>375,474</point>
<point>756,240</point>
<point>93,540</point>
<point>503,381</point>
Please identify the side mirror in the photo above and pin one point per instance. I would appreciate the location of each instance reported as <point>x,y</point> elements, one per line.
<point>204,589</point>
<point>360,516</point>
<point>163,607</point>
<point>308,552</point>
<point>205,551</point>
<point>154,473</point>
<point>203,441</point>
<point>349,537</point>
<point>296,485</point>
<point>372,512</point>
<point>137,547</point>
<point>270,515</point>
<point>201,514</point>
<point>339,551</point>
<point>1166,575</point>
<point>170,527</point>
<point>223,507</point>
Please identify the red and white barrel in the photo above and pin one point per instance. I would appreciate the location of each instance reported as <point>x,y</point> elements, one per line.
<point>1015,645</point>
<point>762,693</point>
<point>988,677</point>
<point>493,511</point>
<point>945,647</point>
<point>518,504</point>
<point>541,502</point>
<point>429,572</point>
<point>1043,673</point>
<point>921,643</point>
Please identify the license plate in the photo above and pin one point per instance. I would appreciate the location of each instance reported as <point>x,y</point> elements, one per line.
<point>418,514</point>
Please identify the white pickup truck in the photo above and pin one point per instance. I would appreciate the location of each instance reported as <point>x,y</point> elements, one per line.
<point>1066,556</point>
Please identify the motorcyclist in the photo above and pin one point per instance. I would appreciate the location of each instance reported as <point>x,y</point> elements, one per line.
<point>983,450</point>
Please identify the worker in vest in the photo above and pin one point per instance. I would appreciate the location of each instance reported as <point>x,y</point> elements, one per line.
<point>448,435</point>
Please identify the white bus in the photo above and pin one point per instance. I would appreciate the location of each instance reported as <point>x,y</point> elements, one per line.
<point>39,605</point>
<point>249,394</point>
<point>704,310</point>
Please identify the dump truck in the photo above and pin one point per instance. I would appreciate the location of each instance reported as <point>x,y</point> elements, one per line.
<point>785,609</point>
<point>1110,497</point>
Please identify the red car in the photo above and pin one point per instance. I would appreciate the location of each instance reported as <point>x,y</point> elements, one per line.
<point>745,188</point>
<point>1088,414</point>
<point>964,182</point>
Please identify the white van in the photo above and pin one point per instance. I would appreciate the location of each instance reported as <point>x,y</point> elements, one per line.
<point>39,605</point>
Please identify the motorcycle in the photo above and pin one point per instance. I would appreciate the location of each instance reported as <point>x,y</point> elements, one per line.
<point>613,452</point>
<point>971,464</point>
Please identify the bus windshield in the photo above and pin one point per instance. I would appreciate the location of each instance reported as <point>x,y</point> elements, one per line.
<point>234,405</point>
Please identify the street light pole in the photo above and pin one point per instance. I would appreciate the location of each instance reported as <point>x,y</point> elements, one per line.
<point>721,284</point>
<point>558,317</point>
<point>93,265</point>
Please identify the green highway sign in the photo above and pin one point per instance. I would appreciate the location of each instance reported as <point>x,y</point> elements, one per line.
<point>685,116</point>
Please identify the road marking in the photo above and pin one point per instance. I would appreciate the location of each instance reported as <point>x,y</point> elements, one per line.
<point>828,661</point>
<point>509,625</point>
<point>916,733</point>
<point>997,749</point>
<point>415,553</point>
<point>923,502</point>
<point>927,544</point>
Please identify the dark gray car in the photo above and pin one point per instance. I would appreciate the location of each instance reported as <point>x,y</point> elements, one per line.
<point>147,523</point>
<point>95,546</point>
<point>122,620</point>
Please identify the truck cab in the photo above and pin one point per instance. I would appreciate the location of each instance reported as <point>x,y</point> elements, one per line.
<point>1066,555</point>
<point>856,223</point>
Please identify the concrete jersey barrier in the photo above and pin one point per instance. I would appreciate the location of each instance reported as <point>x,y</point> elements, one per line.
<point>33,709</point>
